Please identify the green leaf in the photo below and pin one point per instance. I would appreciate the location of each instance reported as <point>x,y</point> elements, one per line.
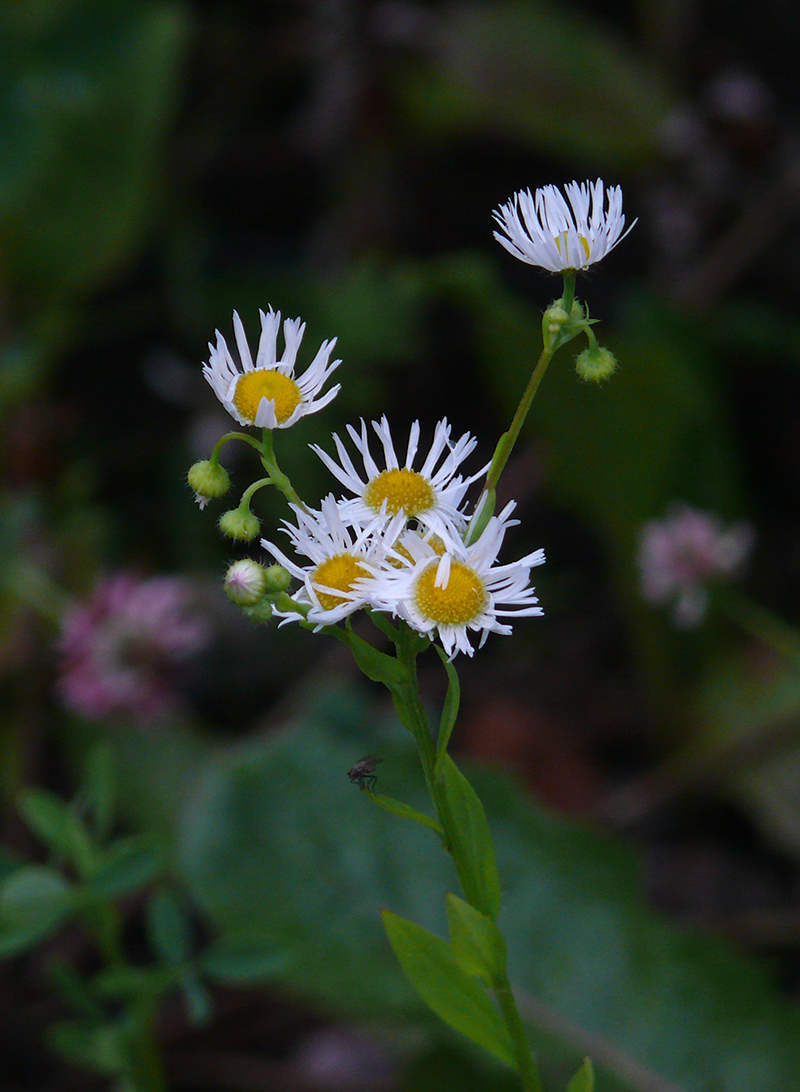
<point>477,943</point>
<point>432,968</point>
<point>34,901</point>
<point>336,871</point>
<point>86,99</point>
<point>50,819</point>
<point>168,928</point>
<point>62,830</point>
<point>504,70</point>
<point>374,664</point>
<point>474,847</point>
<point>405,811</point>
<point>273,839</point>
<point>583,1081</point>
<point>450,708</point>
<point>244,956</point>
<point>100,1047</point>
<point>126,866</point>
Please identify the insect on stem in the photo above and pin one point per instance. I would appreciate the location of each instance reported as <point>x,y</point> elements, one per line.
<point>361,772</point>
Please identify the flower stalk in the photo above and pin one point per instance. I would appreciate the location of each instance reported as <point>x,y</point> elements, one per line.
<point>408,703</point>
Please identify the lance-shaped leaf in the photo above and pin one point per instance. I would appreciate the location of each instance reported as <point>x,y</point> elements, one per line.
<point>433,970</point>
<point>477,943</point>
<point>583,1081</point>
<point>473,849</point>
<point>376,665</point>
<point>405,811</point>
<point>34,901</point>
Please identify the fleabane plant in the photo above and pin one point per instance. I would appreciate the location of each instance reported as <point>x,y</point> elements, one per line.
<point>413,544</point>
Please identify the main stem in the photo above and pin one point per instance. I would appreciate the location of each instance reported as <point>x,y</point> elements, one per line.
<point>509,438</point>
<point>412,713</point>
<point>526,1065</point>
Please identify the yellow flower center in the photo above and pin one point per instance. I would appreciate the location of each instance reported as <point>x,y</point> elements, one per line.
<point>460,601</point>
<point>434,542</point>
<point>403,490</point>
<point>581,239</point>
<point>339,571</point>
<point>266,383</point>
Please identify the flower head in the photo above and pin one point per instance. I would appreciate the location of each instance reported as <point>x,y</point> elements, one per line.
<point>559,233</point>
<point>454,590</point>
<point>680,554</point>
<point>341,557</point>
<point>119,651</point>
<point>267,394</point>
<point>432,495</point>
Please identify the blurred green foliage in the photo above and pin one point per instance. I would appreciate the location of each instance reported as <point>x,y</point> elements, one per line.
<point>274,838</point>
<point>163,163</point>
<point>88,91</point>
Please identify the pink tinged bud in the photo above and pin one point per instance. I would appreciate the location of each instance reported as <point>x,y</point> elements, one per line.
<point>245,583</point>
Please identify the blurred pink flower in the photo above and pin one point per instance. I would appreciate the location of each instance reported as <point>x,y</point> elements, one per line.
<point>119,651</point>
<point>680,554</point>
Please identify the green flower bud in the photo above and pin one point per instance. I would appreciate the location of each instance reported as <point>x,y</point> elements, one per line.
<point>260,611</point>
<point>245,582</point>
<point>209,479</point>
<point>553,322</point>
<point>595,364</point>
<point>277,579</point>
<point>239,523</point>
<point>558,327</point>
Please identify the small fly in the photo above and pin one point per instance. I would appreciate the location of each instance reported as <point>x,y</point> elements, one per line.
<point>362,773</point>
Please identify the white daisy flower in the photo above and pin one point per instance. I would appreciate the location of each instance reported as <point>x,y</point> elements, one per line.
<point>267,394</point>
<point>341,556</point>
<point>457,590</point>
<point>431,495</point>
<point>547,230</point>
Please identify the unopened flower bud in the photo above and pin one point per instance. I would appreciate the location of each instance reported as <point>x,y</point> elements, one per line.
<point>553,322</point>
<point>277,579</point>
<point>558,326</point>
<point>595,364</point>
<point>209,479</point>
<point>245,582</point>
<point>239,523</point>
<point>260,611</point>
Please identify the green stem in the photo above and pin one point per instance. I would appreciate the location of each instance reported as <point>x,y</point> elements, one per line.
<point>277,477</point>
<point>147,1071</point>
<point>760,623</point>
<point>251,491</point>
<point>243,436</point>
<point>526,1065</point>
<point>507,441</point>
<point>412,713</point>
<point>509,438</point>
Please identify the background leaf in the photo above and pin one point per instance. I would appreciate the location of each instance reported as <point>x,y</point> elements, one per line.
<point>269,842</point>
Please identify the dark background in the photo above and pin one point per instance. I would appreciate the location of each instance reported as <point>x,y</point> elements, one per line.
<point>162,164</point>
